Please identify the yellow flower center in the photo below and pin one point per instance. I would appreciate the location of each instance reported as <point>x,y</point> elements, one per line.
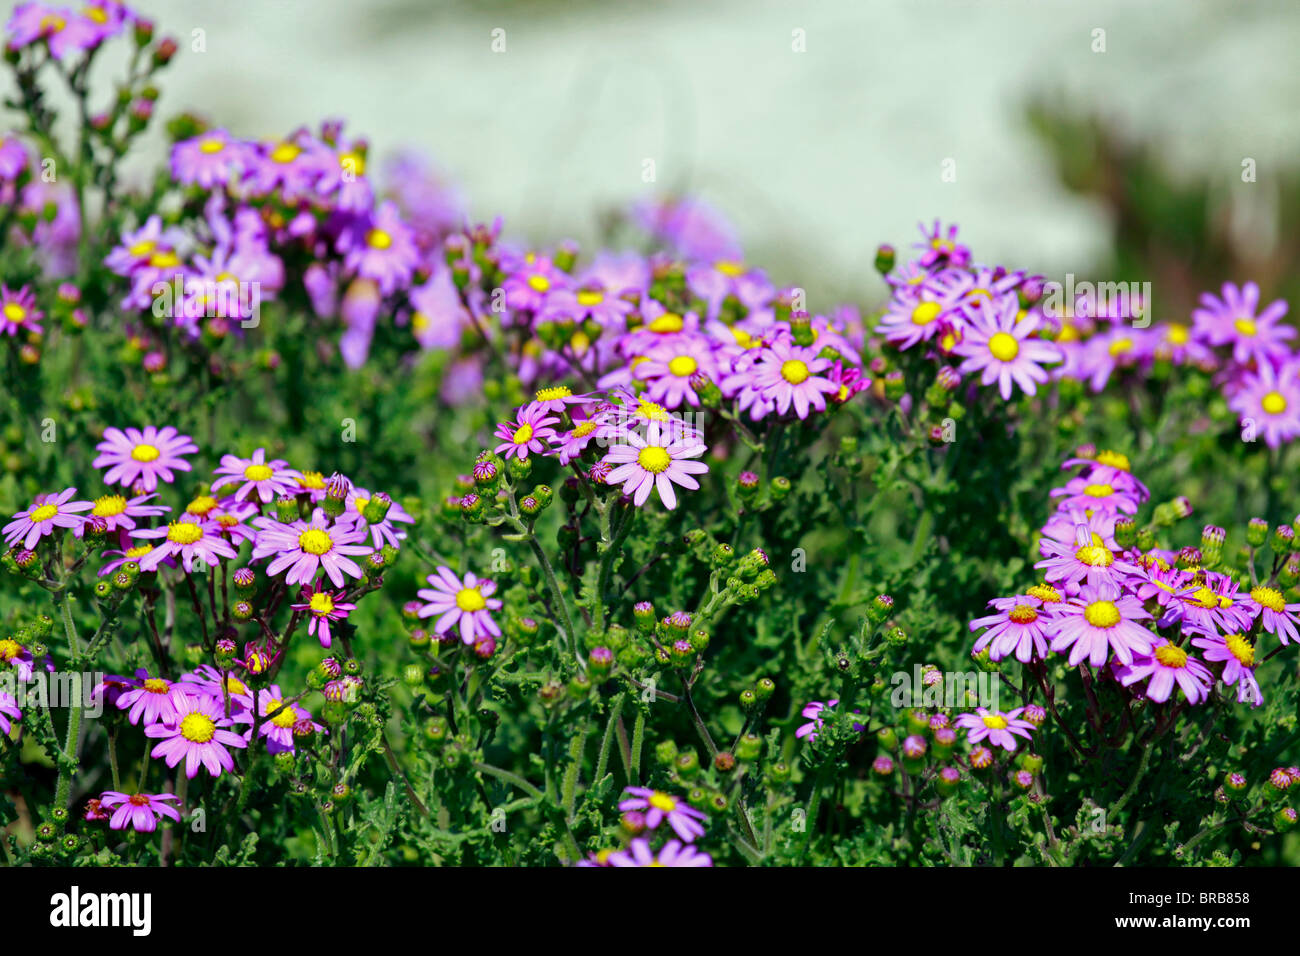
<point>557,391</point>
<point>1098,491</point>
<point>1102,614</point>
<point>1270,598</point>
<point>360,503</point>
<point>539,283</point>
<point>313,480</point>
<point>1245,326</point>
<point>925,313</point>
<point>156,685</point>
<point>211,145</point>
<point>1240,649</point>
<point>9,649</point>
<point>994,721</point>
<point>184,532</point>
<point>198,728</point>
<point>662,801</point>
<point>1114,460</point>
<point>285,153</point>
<point>667,323</point>
<point>139,551</point>
<point>315,541</point>
<point>1045,593</point>
<point>794,371</point>
<point>683,366</point>
<point>1120,346</point>
<point>142,248</point>
<point>109,506</point>
<point>43,513</point>
<point>145,453</point>
<point>469,600</point>
<point>353,162</point>
<point>201,505</point>
<point>1004,346</point>
<point>1178,334</point>
<point>590,297</point>
<point>652,411</point>
<point>730,268</point>
<point>1205,598</point>
<point>285,718</point>
<point>1023,614</point>
<point>1171,656</point>
<point>236,686</point>
<point>1095,556</point>
<point>15,312</point>
<point>257,472</point>
<point>653,459</point>
<point>1274,403</point>
<point>321,603</point>
<point>523,434</point>
<point>378,239</point>
<point>583,429</point>
<point>164,260</point>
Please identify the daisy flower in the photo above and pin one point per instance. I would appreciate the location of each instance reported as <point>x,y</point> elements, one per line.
<point>18,311</point>
<point>46,513</point>
<point>140,811</point>
<point>917,316</point>
<point>1101,620</point>
<point>1271,399</point>
<point>143,455</point>
<point>528,433</point>
<point>1000,728</point>
<point>941,248</point>
<point>571,444</point>
<point>656,461</point>
<point>199,735</point>
<point>466,603</point>
<point>1276,616</point>
<point>1233,321</point>
<point>267,480</point>
<point>1023,626</point>
<point>381,248</point>
<point>659,806</point>
<point>208,160</point>
<point>150,698</point>
<point>669,367</point>
<point>133,554</point>
<point>119,513</point>
<point>1087,558</point>
<point>673,853</point>
<point>997,343</point>
<point>187,539</point>
<point>787,374</point>
<point>1167,665</point>
<point>1095,494</point>
<point>278,730</point>
<point>322,607</point>
<point>207,680</point>
<point>305,547</point>
<point>1237,655</point>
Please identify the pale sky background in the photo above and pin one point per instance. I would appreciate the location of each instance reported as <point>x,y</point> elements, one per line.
<point>816,156</point>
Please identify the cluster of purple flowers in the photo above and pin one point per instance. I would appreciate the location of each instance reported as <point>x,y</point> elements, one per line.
<point>1140,614</point>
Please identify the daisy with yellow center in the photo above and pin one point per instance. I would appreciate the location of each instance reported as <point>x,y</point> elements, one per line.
<point>463,605</point>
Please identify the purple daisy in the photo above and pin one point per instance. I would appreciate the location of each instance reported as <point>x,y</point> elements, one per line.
<point>322,607</point>
<point>143,455</point>
<point>656,461</point>
<point>1276,616</point>
<point>381,248</point>
<point>18,312</point>
<point>787,374</point>
<point>528,433</point>
<point>381,532</point>
<point>140,811</point>
<point>267,480</point>
<point>305,547</point>
<point>1233,321</point>
<point>939,247</point>
<point>669,368</point>
<point>199,735</point>
<point>659,806</point>
<point>814,710</point>
<point>997,343</point>
<point>119,513</point>
<point>1000,728</point>
<point>1168,665</point>
<point>672,853</point>
<point>1237,655</point>
<point>149,698</point>
<point>1101,620</point>
<point>1271,399</point>
<point>46,513</point>
<point>208,160</point>
<point>1023,626</point>
<point>466,603</point>
<point>279,729</point>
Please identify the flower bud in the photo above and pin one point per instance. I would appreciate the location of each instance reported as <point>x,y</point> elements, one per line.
<point>750,747</point>
<point>376,509</point>
<point>1256,532</point>
<point>687,764</point>
<point>1283,539</point>
<point>780,488</point>
<point>885,258</point>
<point>947,781</point>
<point>286,509</point>
<point>1126,532</point>
<point>882,607</point>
